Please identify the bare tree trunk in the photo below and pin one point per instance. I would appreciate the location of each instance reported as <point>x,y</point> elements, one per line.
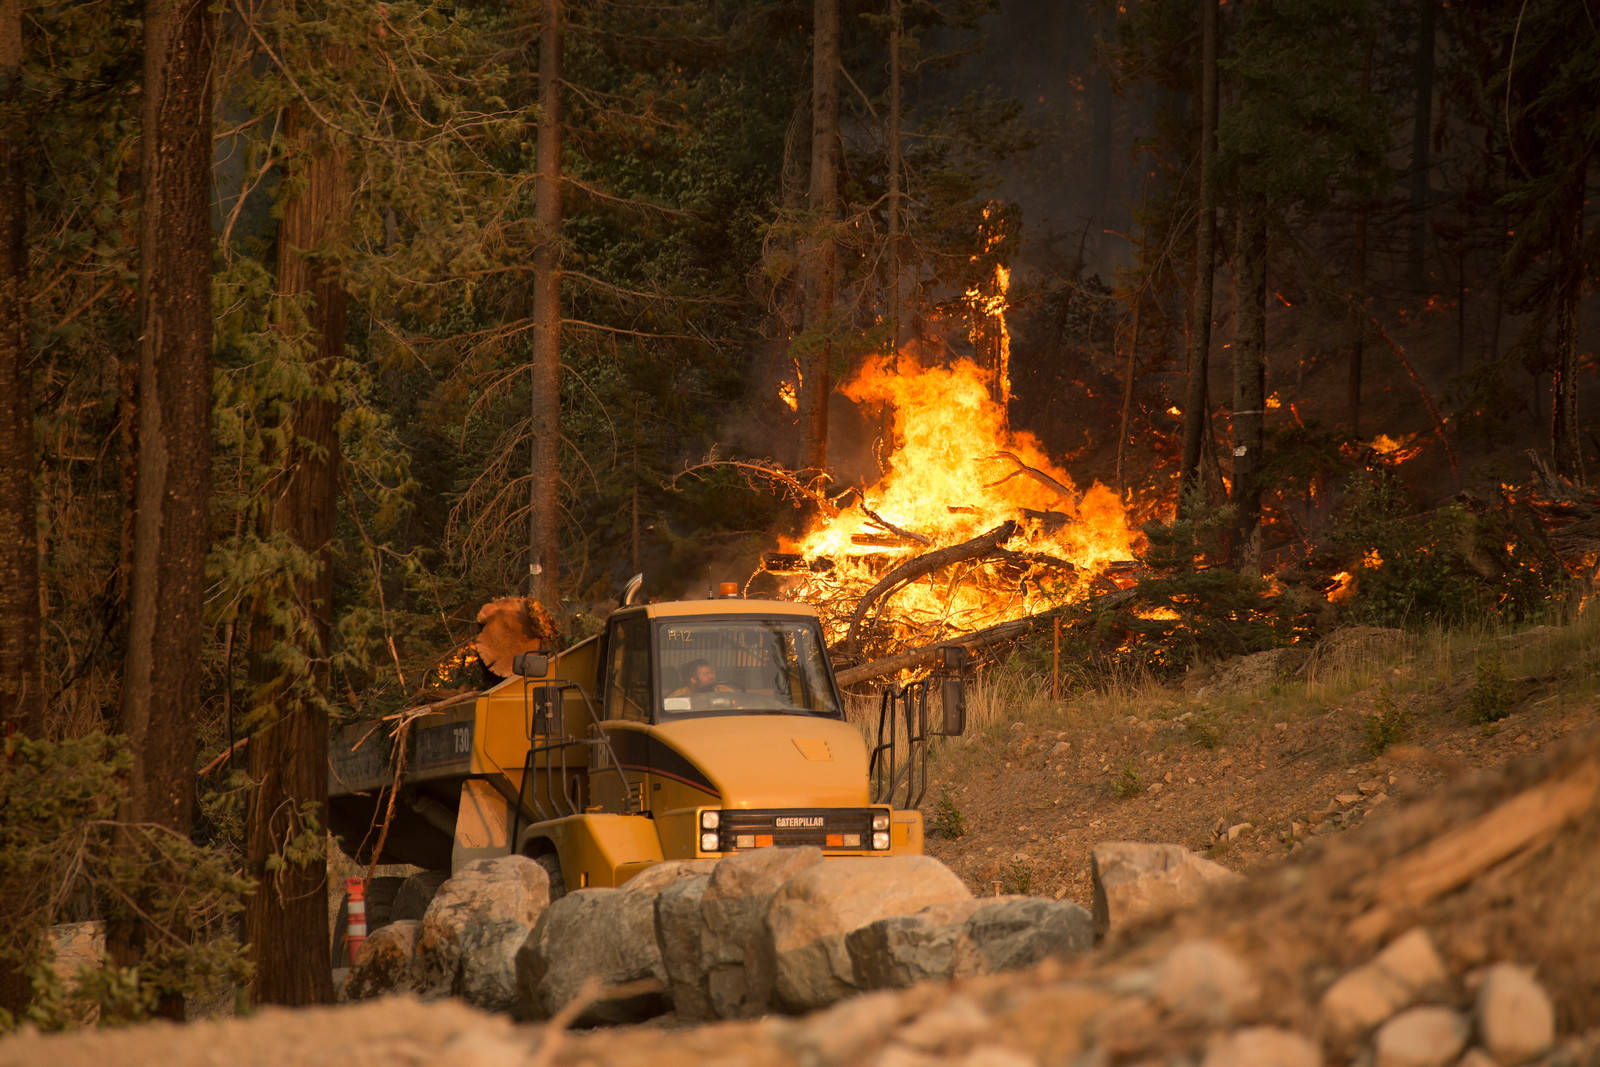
<point>896,26</point>
<point>161,672</point>
<point>1249,386</point>
<point>819,255</point>
<point>544,492</point>
<point>1565,443</point>
<point>1194,409</point>
<point>286,922</point>
<point>1421,127</point>
<point>1358,326</point>
<point>21,707</point>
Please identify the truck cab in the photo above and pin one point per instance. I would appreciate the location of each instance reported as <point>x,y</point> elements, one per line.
<point>686,729</point>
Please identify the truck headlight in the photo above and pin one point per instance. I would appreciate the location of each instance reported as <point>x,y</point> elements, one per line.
<point>880,839</point>
<point>880,820</point>
<point>710,820</point>
<point>709,843</point>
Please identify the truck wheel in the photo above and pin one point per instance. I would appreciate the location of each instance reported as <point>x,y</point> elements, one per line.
<point>552,867</point>
<point>380,896</point>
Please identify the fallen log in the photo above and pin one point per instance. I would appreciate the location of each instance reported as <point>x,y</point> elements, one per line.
<point>976,640</point>
<point>915,568</point>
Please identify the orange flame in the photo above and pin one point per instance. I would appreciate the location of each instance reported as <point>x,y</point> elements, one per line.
<point>956,471</point>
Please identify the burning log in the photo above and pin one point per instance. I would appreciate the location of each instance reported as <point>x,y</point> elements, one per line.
<point>912,569</point>
<point>977,640</point>
<point>891,527</point>
<point>1032,472</point>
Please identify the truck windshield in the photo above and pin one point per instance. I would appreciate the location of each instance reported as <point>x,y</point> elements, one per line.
<point>743,666</point>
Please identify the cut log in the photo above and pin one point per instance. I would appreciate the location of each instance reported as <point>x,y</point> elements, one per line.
<point>926,563</point>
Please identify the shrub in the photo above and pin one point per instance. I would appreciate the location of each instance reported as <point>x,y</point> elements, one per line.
<point>1018,878</point>
<point>1388,725</point>
<point>1490,698</point>
<point>61,840</point>
<point>948,822</point>
<point>1128,783</point>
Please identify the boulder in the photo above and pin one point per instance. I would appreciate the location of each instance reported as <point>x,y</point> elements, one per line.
<point>903,950</point>
<point>815,910</point>
<point>1421,1037</point>
<point>1263,1046</point>
<point>1016,932</point>
<point>473,928</point>
<point>1134,880</point>
<point>712,934</point>
<point>1516,1020</point>
<point>1392,980</point>
<point>386,963</point>
<point>1204,981</point>
<point>608,934</point>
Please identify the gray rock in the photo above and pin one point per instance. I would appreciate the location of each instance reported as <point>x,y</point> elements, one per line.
<point>678,936</point>
<point>813,912</point>
<point>903,950</point>
<point>608,934</point>
<point>411,900</point>
<point>740,963</point>
<point>1262,1046</point>
<point>473,928</point>
<point>1516,1021</point>
<point>1204,982</point>
<point>1134,880</point>
<point>1013,933</point>
<point>1421,1037</point>
<point>386,964</point>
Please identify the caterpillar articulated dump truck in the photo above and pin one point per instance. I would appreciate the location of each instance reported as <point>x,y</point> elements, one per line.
<point>684,730</point>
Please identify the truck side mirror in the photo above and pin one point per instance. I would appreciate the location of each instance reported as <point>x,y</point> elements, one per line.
<point>952,659</point>
<point>953,699</point>
<point>531,664</point>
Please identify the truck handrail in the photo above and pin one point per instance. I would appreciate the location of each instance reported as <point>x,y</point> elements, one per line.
<point>553,693</point>
<point>884,772</point>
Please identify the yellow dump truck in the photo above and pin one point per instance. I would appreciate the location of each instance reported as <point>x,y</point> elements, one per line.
<point>684,730</point>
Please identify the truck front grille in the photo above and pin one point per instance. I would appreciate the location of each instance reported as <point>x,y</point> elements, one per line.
<point>833,829</point>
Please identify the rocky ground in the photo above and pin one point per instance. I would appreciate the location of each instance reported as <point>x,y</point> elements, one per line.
<point>1435,903</point>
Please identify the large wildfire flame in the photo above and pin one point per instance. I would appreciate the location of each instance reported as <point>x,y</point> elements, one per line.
<point>954,472</point>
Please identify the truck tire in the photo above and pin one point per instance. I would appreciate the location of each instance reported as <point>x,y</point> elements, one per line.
<point>380,896</point>
<point>552,867</point>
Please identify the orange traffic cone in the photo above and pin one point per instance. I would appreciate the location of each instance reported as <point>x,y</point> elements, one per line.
<point>355,930</point>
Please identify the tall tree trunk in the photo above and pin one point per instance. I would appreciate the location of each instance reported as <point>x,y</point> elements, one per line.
<point>1249,386</point>
<point>1358,326</point>
<point>286,922</point>
<point>21,708</point>
<point>1194,409</point>
<point>896,27</point>
<point>819,258</point>
<point>544,492</point>
<point>171,533</point>
<point>1421,128</point>
<point>1565,443</point>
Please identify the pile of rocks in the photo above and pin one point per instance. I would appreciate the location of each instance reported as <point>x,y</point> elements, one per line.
<point>756,932</point>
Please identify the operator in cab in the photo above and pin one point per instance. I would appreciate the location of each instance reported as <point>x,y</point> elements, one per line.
<point>700,677</point>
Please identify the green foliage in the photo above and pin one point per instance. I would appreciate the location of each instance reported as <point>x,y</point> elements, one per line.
<point>1206,728</point>
<point>1492,694</point>
<point>1128,782</point>
<point>1447,566</point>
<point>948,822</point>
<point>1017,878</point>
<point>1188,610</point>
<point>1386,726</point>
<point>61,841</point>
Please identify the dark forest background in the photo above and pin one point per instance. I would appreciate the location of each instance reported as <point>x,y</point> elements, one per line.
<point>302,359</point>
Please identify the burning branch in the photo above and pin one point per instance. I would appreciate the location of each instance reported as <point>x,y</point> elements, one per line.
<point>1032,472</point>
<point>912,569</point>
<point>787,481</point>
<point>891,527</point>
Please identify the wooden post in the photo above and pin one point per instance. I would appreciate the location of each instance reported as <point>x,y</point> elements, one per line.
<point>1055,660</point>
